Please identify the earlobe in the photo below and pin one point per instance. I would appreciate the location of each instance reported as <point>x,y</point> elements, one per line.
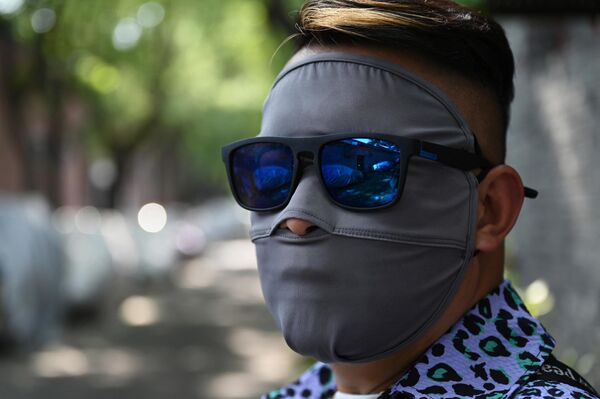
<point>501,196</point>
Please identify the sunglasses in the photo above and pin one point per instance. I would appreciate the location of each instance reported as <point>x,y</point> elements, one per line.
<point>364,171</point>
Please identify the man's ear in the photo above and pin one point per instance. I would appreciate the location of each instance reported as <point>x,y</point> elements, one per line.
<point>501,196</point>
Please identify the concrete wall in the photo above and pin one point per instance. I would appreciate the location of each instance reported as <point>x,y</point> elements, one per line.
<point>554,142</point>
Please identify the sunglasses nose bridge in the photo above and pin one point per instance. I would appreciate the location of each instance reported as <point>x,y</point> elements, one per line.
<point>306,157</point>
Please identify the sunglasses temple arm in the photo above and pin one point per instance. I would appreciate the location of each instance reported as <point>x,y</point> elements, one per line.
<point>531,193</point>
<point>462,160</point>
<point>453,157</point>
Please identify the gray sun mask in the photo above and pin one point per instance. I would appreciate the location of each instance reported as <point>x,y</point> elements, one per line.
<point>363,285</point>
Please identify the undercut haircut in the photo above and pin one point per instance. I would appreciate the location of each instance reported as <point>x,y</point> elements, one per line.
<point>443,32</point>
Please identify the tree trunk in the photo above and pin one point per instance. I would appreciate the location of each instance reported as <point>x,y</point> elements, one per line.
<point>12,102</point>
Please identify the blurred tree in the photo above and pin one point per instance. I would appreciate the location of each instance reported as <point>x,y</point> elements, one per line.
<point>110,77</point>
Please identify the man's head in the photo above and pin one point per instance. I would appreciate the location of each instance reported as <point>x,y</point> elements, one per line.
<point>349,286</point>
<point>460,49</point>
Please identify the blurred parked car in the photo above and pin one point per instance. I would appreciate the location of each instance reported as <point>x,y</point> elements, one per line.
<point>31,273</point>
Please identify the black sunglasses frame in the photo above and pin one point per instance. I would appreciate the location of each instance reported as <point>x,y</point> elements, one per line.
<point>304,150</point>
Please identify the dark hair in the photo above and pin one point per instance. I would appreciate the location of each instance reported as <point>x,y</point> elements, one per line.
<point>448,34</point>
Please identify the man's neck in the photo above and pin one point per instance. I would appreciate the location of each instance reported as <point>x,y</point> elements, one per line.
<point>376,376</point>
<point>364,378</point>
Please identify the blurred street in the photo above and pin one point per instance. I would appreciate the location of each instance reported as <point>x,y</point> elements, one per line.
<point>204,334</point>
<point>125,265</point>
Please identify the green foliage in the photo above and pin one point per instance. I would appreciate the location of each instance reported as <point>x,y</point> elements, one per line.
<point>200,75</point>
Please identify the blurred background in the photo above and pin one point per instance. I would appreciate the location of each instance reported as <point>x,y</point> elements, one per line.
<point>125,267</point>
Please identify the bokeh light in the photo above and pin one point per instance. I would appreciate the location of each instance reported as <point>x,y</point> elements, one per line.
<point>103,173</point>
<point>101,76</point>
<point>139,311</point>
<point>126,34</point>
<point>43,20</point>
<point>88,220</point>
<point>150,14</point>
<point>152,217</point>
<point>10,6</point>
<point>538,298</point>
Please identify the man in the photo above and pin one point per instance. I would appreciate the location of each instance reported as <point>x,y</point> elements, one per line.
<point>380,203</point>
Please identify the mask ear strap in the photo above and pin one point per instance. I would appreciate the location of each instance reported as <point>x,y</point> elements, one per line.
<point>480,176</point>
<point>485,170</point>
<point>483,174</point>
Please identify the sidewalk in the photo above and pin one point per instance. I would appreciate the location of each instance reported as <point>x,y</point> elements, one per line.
<point>209,337</point>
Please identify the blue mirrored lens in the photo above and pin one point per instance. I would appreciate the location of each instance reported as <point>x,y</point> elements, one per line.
<point>361,172</point>
<point>262,174</point>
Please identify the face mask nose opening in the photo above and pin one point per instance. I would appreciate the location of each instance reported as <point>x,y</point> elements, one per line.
<point>300,227</point>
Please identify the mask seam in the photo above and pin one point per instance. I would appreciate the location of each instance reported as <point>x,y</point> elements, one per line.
<point>437,243</point>
<point>370,233</point>
<point>354,232</point>
<point>401,237</point>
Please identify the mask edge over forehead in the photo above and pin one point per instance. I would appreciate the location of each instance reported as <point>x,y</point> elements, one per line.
<point>392,68</point>
<point>299,91</point>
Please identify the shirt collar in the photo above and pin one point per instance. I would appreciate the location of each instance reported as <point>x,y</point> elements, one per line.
<point>493,350</point>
